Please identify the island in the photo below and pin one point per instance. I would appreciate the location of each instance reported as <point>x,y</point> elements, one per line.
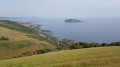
<point>72,20</point>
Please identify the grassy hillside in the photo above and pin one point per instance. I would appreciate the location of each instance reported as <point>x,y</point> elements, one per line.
<point>91,57</point>
<point>18,41</point>
<point>17,26</point>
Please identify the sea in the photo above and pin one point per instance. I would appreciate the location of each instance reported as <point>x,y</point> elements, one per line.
<point>99,30</point>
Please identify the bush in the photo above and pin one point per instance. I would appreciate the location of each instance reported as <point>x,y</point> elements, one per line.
<point>44,51</point>
<point>16,56</point>
<point>84,45</point>
<point>87,45</point>
<point>95,45</point>
<point>26,54</point>
<point>3,38</point>
<point>115,44</point>
<point>76,46</point>
<point>104,44</point>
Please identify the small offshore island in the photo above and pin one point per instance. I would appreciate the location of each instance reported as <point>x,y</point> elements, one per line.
<point>72,20</point>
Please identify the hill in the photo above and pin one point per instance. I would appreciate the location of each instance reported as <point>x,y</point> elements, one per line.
<point>90,57</point>
<point>17,26</point>
<point>19,42</point>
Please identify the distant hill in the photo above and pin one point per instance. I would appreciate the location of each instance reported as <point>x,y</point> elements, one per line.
<point>72,20</point>
<point>20,40</point>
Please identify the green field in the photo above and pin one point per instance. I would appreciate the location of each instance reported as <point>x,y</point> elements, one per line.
<point>90,57</point>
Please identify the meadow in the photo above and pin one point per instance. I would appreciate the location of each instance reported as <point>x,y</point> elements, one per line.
<point>89,57</point>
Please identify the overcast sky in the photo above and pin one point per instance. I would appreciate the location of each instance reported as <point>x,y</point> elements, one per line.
<point>59,8</point>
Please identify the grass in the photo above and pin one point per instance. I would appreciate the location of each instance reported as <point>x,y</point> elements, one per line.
<point>17,26</point>
<point>40,38</point>
<point>90,57</point>
<point>18,43</point>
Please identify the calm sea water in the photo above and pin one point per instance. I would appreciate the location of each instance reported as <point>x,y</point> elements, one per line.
<point>90,30</point>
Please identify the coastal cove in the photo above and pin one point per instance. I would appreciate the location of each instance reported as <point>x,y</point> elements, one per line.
<point>91,30</point>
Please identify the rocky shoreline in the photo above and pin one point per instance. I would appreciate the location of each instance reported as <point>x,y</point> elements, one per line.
<point>48,34</point>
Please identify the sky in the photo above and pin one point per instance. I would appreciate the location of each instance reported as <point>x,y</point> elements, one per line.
<point>59,8</point>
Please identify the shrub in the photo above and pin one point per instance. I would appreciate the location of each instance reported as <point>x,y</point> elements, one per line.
<point>115,44</point>
<point>95,45</point>
<point>104,44</point>
<point>16,56</point>
<point>87,45</point>
<point>76,46</point>
<point>26,54</point>
<point>3,38</point>
<point>44,51</point>
<point>84,45</point>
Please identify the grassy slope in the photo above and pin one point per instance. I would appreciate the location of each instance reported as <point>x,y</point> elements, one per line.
<point>91,57</point>
<point>18,43</point>
<point>17,26</point>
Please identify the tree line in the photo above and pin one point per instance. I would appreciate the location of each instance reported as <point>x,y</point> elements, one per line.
<point>80,45</point>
